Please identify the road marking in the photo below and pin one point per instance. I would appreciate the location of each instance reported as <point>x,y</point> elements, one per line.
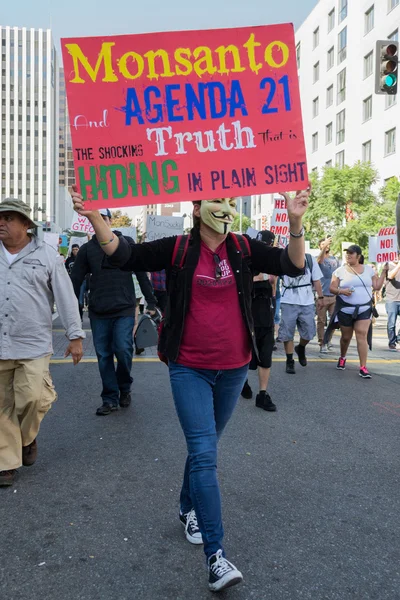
<point>372,361</point>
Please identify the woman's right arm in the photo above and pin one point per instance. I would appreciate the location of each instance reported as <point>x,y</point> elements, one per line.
<point>151,256</point>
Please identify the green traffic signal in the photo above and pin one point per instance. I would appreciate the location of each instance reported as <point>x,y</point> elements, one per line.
<point>390,81</point>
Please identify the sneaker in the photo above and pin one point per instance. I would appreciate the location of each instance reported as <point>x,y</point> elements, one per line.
<point>341,365</point>
<point>324,349</point>
<point>392,347</point>
<point>247,392</point>
<point>264,401</point>
<point>7,477</point>
<point>364,373</point>
<point>29,454</point>
<point>125,399</point>
<point>222,573</point>
<point>275,348</point>
<point>139,351</point>
<point>290,367</point>
<point>192,531</point>
<point>301,353</point>
<point>330,347</point>
<point>106,409</point>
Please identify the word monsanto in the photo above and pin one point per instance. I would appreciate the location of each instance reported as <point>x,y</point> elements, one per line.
<point>186,115</point>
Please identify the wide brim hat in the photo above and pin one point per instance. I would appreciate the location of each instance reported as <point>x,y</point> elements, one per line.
<point>13,205</point>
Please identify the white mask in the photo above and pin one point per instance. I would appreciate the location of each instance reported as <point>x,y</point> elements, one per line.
<point>218,214</point>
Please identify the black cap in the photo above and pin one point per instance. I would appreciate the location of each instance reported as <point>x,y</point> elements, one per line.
<point>267,237</point>
<point>354,249</point>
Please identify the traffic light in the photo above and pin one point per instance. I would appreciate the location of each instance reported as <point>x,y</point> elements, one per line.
<point>387,62</point>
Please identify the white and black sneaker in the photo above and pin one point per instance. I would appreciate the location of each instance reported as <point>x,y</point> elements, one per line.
<point>222,573</point>
<point>192,531</point>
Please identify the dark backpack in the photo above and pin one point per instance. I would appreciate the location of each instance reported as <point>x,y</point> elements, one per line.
<point>177,263</point>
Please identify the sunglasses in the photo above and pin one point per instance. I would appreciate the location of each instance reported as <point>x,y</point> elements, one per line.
<point>218,270</point>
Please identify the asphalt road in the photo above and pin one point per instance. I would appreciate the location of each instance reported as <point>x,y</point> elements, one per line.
<point>310,493</point>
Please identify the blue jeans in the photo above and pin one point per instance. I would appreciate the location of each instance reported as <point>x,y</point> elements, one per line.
<point>114,337</point>
<point>393,311</point>
<point>204,401</point>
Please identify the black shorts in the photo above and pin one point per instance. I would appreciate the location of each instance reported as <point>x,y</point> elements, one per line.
<point>346,320</point>
<point>265,345</point>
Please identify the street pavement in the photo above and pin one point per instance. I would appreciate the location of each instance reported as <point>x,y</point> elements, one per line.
<point>310,493</point>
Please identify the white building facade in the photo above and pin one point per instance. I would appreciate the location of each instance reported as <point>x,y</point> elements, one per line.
<point>344,120</point>
<point>29,145</point>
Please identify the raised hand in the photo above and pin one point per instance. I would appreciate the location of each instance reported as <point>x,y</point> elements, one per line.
<point>79,205</point>
<point>298,205</point>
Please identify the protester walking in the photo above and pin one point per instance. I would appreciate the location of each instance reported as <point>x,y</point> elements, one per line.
<point>33,277</point>
<point>263,312</point>
<point>393,302</point>
<point>207,338</point>
<point>298,310</point>
<point>352,285</point>
<point>112,306</point>
<point>328,264</point>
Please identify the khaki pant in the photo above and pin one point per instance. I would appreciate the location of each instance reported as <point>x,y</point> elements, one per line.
<point>26,394</point>
<point>327,308</point>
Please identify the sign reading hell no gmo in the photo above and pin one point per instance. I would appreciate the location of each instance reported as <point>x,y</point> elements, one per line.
<point>189,115</point>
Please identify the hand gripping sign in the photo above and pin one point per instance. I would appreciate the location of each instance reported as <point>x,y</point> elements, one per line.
<point>190,115</point>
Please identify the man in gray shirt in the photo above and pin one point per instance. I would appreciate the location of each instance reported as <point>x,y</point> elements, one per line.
<point>328,264</point>
<point>32,277</point>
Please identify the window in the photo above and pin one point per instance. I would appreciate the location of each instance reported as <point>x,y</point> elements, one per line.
<point>390,141</point>
<point>328,134</point>
<point>341,87</point>
<point>342,45</point>
<point>367,109</point>
<point>394,37</point>
<point>315,108</point>
<point>331,20</point>
<point>316,72</point>
<point>390,101</point>
<point>329,96</point>
<point>298,55</point>
<point>392,4</point>
<point>369,18</point>
<point>328,164</point>
<point>342,10</point>
<point>315,142</point>
<point>340,159</point>
<point>314,170</point>
<point>340,127</point>
<point>368,64</point>
<point>315,38</point>
<point>330,58</point>
<point>366,151</point>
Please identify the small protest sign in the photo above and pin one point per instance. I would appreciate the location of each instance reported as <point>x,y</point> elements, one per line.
<point>185,115</point>
<point>280,222</point>
<point>159,227</point>
<point>81,224</point>
<point>383,247</point>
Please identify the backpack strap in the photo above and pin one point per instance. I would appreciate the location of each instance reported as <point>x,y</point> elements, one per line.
<point>309,262</point>
<point>242,244</point>
<point>180,251</point>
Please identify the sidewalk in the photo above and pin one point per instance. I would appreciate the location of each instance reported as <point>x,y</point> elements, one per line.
<point>380,351</point>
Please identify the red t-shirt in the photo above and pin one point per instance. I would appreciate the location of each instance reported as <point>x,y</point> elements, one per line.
<point>215,335</point>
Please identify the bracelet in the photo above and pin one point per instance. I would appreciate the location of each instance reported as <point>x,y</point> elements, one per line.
<point>321,297</point>
<point>106,243</point>
<point>297,235</point>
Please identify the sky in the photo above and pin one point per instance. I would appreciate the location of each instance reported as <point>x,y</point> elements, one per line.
<point>70,18</point>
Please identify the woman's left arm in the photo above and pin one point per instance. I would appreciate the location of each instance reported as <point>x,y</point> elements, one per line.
<point>377,282</point>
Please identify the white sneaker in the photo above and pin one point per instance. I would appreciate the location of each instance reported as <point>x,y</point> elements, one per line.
<point>222,573</point>
<point>192,531</point>
<point>324,349</point>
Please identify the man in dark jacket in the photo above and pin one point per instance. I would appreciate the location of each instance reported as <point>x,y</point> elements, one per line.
<point>112,305</point>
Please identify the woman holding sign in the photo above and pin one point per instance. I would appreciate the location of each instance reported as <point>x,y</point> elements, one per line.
<point>207,339</point>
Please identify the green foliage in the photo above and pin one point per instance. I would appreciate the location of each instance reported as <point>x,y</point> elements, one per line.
<point>120,220</point>
<point>246,223</point>
<point>350,187</point>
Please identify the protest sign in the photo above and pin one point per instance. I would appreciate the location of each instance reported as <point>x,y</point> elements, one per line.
<point>128,231</point>
<point>280,219</point>
<point>187,115</point>
<point>383,247</point>
<point>252,233</point>
<point>52,239</point>
<point>63,241</point>
<point>81,224</point>
<point>159,227</point>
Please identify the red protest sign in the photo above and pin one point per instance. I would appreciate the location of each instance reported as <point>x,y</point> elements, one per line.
<point>188,115</point>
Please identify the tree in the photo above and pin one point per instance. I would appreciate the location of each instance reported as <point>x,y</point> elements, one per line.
<point>246,223</point>
<point>120,220</point>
